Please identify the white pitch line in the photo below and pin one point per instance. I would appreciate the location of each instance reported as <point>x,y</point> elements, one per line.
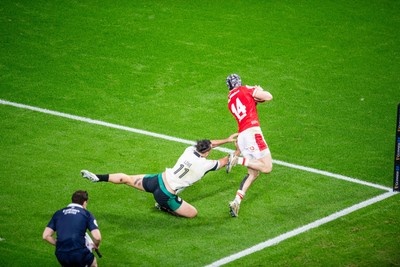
<point>92,121</point>
<point>333,175</point>
<point>300,230</point>
<point>180,140</point>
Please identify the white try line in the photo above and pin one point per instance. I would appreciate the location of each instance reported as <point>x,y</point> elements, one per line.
<point>180,140</point>
<point>300,230</point>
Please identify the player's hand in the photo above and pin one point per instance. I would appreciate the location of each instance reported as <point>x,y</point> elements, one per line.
<point>232,137</point>
<point>237,152</point>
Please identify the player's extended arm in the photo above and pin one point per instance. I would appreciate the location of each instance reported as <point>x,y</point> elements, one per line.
<point>230,139</point>
<point>48,236</point>
<point>262,95</point>
<point>223,161</point>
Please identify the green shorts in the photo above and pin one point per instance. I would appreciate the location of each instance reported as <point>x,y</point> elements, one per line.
<point>153,183</point>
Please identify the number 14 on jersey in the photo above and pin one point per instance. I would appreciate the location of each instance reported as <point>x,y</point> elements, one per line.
<point>238,109</point>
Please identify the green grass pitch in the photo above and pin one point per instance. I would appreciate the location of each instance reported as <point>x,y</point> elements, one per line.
<point>160,66</point>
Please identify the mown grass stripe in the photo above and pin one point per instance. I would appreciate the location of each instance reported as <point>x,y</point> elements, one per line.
<point>180,140</point>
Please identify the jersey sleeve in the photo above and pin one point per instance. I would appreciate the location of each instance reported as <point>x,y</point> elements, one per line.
<point>213,165</point>
<point>52,222</point>
<point>253,89</point>
<point>92,223</point>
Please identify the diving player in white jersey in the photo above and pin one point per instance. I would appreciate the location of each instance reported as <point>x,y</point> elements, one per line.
<point>191,166</point>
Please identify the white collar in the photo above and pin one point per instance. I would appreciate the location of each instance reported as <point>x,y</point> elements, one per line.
<point>75,205</point>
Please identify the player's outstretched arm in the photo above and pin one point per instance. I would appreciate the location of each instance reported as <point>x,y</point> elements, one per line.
<point>223,161</point>
<point>230,139</point>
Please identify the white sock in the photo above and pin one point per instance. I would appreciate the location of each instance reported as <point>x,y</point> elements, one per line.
<point>243,161</point>
<point>239,196</point>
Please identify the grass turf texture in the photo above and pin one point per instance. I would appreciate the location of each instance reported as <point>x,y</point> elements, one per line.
<point>331,66</point>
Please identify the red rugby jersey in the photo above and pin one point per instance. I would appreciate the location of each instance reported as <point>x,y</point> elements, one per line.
<point>243,106</point>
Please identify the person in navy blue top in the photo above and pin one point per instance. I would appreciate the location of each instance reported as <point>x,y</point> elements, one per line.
<point>70,224</point>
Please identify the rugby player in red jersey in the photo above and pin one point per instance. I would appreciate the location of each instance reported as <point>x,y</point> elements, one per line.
<point>256,156</point>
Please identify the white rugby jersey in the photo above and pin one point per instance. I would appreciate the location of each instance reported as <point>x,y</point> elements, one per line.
<point>189,168</point>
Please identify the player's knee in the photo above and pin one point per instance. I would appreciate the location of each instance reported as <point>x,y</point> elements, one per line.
<point>187,211</point>
<point>192,213</point>
<point>94,263</point>
<point>267,168</point>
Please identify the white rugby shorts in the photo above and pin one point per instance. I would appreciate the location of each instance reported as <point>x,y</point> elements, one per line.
<point>252,144</point>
